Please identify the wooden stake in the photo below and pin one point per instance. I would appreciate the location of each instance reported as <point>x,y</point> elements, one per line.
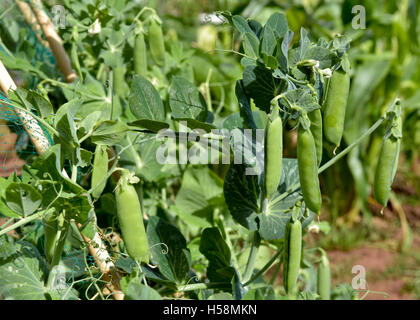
<point>31,20</point>
<point>31,126</point>
<point>54,40</point>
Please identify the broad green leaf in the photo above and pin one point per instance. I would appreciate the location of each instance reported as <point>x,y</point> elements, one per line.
<point>244,105</point>
<point>201,189</point>
<point>251,45</point>
<point>186,101</point>
<point>22,198</point>
<point>4,209</point>
<point>148,124</point>
<point>278,24</point>
<point>136,290</point>
<point>22,274</point>
<point>241,192</point>
<point>169,249</point>
<point>145,101</point>
<point>42,105</point>
<point>109,132</point>
<point>260,85</point>
<point>217,252</point>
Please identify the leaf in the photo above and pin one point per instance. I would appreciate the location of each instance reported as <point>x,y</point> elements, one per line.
<point>303,98</point>
<point>251,45</point>
<point>22,198</point>
<point>283,49</point>
<point>260,85</point>
<point>263,293</point>
<point>201,188</point>
<point>268,44</point>
<point>109,132</point>
<point>277,22</point>
<point>195,124</point>
<point>175,263</point>
<point>42,105</point>
<point>136,290</point>
<point>148,124</point>
<point>220,296</point>
<point>145,101</point>
<point>22,274</point>
<point>186,101</point>
<point>244,105</point>
<point>242,193</point>
<point>240,23</point>
<point>4,209</point>
<point>217,252</point>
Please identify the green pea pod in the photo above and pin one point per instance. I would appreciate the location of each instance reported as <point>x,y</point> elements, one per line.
<point>50,225</point>
<point>292,254</point>
<point>308,170</point>
<point>324,278</point>
<point>140,55</point>
<point>316,130</point>
<point>335,106</point>
<point>130,218</point>
<point>120,87</point>
<point>386,167</point>
<point>99,171</point>
<point>157,46</point>
<point>273,155</point>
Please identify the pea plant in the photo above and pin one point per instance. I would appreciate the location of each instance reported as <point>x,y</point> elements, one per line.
<point>101,216</point>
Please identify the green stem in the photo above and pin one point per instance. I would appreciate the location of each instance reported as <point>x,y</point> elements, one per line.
<point>252,256</point>
<point>211,285</point>
<point>22,222</point>
<point>265,268</point>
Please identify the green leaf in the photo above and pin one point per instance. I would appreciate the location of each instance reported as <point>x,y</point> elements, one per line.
<point>217,252</point>
<point>201,189</point>
<point>148,124</point>
<point>242,193</point>
<point>195,124</point>
<point>278,24</point>
<point>109,132</point>
<point>263,293</point>
<point>244,106</point>
<point>41,104</point>
<point>251,45</point>
<point>241,24</point>
<point>22,274</point>
<point>4,209</point>
<point>145,101</point>
<point>136,290</point>
<point>260,85</point>
<point>186,101</point>
<point>22,198</point>
<point>169,249</point>
<point>220,296</point>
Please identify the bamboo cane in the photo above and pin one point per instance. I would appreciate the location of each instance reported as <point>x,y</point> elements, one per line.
<point>31,20</point>
<point>54,40</point>
<point>31,126</point>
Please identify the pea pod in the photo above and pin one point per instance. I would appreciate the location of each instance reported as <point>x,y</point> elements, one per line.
<point>308,170</point>
<point>292,254</point>
<point>140,55</point>
<point>316,130</point>
<point>335,106</point>
<point>324,278</point>
<point>273,155</point>
<point>386,167</point>
<point>130,218</point>
<point>50,224</point>
<point>99,171</point>
<point>157,46</point>
<point>120,86</point>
